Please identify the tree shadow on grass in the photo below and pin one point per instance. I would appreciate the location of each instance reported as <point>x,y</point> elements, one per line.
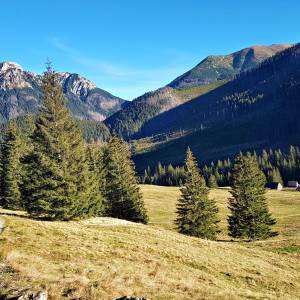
<point>26,216</point>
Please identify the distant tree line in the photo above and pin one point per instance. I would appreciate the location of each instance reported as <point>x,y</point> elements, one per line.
<point>51,173</point>
<point>164,175</point>
<point>276,165</point>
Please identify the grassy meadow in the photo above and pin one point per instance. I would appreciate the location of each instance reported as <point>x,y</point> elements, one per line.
<point>161,204</point>
<point>104,260</point>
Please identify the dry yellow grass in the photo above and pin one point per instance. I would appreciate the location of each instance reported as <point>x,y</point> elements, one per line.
<point>285,206</point>
<point>104,262</point>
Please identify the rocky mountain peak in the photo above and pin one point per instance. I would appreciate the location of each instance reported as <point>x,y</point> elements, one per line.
<point>12,76</point>
<point>7,65</point>
<point>20,93</point>
<point>76,84</point>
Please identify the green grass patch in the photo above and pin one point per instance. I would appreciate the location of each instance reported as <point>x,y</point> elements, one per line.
<point>289,249</point>
<point>201,89</point>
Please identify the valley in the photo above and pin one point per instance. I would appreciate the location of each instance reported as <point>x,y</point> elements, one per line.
<point>150,150</point>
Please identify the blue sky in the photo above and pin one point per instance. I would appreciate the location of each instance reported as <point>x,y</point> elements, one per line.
<point>129,47</point>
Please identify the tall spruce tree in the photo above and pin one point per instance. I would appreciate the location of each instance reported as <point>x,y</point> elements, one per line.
<point>11,170</point>
<point>250,217</point>
<point>59,184</point>
<point>122,193</point>
<point>196,213</point>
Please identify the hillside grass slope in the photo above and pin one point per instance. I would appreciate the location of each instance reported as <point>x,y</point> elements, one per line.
<point>89,260</point>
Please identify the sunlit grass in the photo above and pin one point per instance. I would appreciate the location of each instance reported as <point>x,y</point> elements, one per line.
<point>104,262</point>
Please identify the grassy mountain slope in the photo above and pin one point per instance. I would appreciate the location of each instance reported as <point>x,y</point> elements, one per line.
<point>220,67</point>
<point>260,108</point>
<point>95,261</point>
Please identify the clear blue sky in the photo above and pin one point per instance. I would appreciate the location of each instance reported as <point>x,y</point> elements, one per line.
<point>129,47</point>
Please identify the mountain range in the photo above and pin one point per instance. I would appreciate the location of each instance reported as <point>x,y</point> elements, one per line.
<point>257,109</point>
<point>247,100</point>
<point>209,74</point>
<point>20,93</point>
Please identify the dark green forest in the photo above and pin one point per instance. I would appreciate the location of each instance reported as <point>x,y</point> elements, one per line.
<point>92,131</point>
<point>278,166</point>
<point>257,110</point>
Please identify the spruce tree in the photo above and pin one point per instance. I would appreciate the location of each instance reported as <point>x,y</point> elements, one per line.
<point>95,161</point>
<point>196,213</point>
<point>212,181</point>
<point>11,168</point>
<point>122,193</point>
<point>59,184</point>
<point>274,176</point>
<point>250,217</point>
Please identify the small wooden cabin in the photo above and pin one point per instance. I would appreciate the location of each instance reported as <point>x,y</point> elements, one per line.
<point>293,184</point>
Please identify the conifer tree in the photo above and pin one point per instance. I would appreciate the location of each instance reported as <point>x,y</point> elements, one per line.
<point>95,161</point>
<point>122,193</point>
<point>250,217</point>
<point>212,181</point>
<point>11,169</point>
<point>196,213</point>
<point>59,184</point>
<point>274,176</point>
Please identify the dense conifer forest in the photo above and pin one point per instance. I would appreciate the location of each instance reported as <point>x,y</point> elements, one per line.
<point>278,166</point>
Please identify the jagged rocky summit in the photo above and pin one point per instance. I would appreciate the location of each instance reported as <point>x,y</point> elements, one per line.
<point>20,93</point>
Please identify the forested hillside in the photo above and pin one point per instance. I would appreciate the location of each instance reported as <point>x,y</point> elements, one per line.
<point>278,167</point>
<point>92,131</point>
<point>259,109</point>
<point>209,74</point>
<point>128,121</point>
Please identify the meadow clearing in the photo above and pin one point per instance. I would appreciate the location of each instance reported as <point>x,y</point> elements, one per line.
<point>105,259</point>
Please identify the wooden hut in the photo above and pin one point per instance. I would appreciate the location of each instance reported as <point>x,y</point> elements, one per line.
<point>293,184</point>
